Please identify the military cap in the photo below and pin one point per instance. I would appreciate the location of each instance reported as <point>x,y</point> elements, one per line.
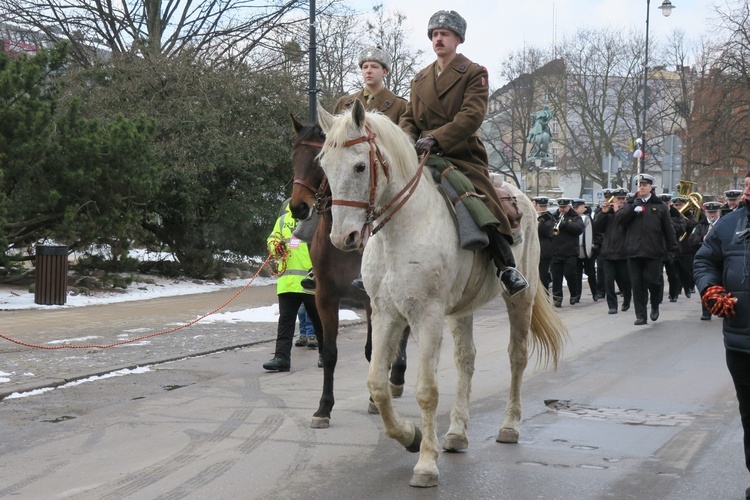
<point>712,206</point>
<point>374,54</point>
<point>577,202</point>
<point>679,200</point>
<point>541,200</point>
<point>564,201</point>
<point>646,178</point>
<point>607,193</point>
<point>620,193</point>
<point>665,197</point>
<point>732,194</point>
<point>447,19</point>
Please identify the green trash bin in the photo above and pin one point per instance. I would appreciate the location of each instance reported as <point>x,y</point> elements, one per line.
<point>51,285</point>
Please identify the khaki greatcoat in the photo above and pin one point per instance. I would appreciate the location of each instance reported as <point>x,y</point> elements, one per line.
<point>384,101</point>
<point>451,108</point>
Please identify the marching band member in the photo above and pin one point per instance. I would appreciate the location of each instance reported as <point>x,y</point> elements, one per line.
<point>679,224</point>
<point>734,200</point>
<point>587,250</point>
<point>684,260</point>
<point>614,251</point>
<point>695,240</point>
<point>650,237</point>
<point>568,226</point>
<point>546,225</point>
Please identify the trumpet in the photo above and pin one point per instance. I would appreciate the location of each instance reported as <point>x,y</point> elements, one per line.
<point>693,205</point>
<point>556,228</point>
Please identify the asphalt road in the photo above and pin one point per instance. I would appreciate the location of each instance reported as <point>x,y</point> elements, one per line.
<point>641,412</point>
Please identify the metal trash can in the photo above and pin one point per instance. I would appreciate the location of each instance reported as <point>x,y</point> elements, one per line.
<point>51,285</point>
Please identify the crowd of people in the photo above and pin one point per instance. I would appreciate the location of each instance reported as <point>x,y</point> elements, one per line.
<point>625,246</point>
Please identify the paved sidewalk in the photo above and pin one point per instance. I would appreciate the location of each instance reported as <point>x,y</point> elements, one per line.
<point>33,368</point>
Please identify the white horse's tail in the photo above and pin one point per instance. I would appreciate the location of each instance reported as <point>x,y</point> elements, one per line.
<point>548,332</point>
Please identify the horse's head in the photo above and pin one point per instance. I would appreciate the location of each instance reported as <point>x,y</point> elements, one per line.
<point>363,155</point>
<point>308,176</point>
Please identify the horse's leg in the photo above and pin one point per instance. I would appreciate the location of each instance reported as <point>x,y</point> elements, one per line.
<point>328,309</point>
<point>385,343</point>
<point>464,354</point>
<point>519,314</point>
<point>398,368</point>
<point>430,334</point>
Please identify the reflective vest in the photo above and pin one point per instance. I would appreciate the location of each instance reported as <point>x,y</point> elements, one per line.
<point>298,257</point>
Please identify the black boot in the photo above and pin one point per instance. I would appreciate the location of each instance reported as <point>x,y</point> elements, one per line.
<point>502,256</point>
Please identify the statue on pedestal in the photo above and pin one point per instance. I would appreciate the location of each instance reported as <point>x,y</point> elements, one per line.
<point>539,135</point>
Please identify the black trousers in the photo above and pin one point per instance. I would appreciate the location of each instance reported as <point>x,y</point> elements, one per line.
<point>587,266</point>
<point>673,278</point>
<point>544,274</point>
<point>616,271</point>
<point>647,279</point>
<point>564,267</point>
<point>288,306</point>
<point>600,285</point>
<point>685,271</point>
<point>738,363</point>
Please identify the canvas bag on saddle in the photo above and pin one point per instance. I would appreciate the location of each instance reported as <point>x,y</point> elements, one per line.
<point>470,212</point>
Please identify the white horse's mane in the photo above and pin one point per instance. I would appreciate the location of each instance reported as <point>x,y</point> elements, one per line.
<point>400,154</point>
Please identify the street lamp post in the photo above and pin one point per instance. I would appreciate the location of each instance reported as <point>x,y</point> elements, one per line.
<point>666,9</point>
<point>735,171</point>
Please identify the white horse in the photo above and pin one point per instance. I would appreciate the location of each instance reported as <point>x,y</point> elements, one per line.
<point>417,274</point>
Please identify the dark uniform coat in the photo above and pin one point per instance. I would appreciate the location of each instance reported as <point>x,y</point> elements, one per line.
<point>565,242</point>
<point>451,108</point>
<point>650,232</point>
<point>614,243</point>
<point>384,101</point>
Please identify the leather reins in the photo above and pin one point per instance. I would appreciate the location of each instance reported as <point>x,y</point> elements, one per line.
<point>393,206</point>
<point>322,202</point>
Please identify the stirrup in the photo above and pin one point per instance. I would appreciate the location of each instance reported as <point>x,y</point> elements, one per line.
<point>517,281</point>
<point>308,282</point>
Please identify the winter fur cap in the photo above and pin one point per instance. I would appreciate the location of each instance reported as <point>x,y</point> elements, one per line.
<point>375,54</point>
<point>447,19</point>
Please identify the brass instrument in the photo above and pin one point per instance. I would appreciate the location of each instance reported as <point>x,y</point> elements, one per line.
<point>556,229</point>
<point>694,202</point>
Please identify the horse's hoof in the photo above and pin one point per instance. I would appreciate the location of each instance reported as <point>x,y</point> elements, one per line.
<point>320,422</point>
<point>372,408</point>
<point>423,480</point>
<point>397,390</point>
<point>415,444</point>
<point>454,442</point>
<point>507,436</point>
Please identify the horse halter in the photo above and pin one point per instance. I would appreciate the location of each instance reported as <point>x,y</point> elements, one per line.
<point>371,213</point>
<point>322,202</point>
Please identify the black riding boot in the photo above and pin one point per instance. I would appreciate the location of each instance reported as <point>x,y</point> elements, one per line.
<point>502,256</point>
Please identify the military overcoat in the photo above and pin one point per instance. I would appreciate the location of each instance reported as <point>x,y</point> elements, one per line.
<point>384,101</point>
<point>451,108</point>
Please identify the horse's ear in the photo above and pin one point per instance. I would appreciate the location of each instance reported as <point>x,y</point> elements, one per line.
<point>297,125</point>
<point>358,114</point>
<point>325,119</point>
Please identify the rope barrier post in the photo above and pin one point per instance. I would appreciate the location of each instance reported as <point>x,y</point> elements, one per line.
<point>51,284</point>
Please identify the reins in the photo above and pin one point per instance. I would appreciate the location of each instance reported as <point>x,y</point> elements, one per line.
<point>322,202</point>
<point>393,206</point>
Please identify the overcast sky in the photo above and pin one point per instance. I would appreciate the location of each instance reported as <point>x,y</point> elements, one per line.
<point>497,28</point>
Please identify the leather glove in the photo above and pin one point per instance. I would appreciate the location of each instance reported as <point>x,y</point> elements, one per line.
<point>426,145</point>
<point>719,301</point>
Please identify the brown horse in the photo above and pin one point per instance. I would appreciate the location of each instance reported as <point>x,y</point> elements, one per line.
<point>334,269</point>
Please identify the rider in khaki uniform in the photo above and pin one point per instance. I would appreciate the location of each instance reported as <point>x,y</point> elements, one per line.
<point>448,104</point>
<point>375,64</point>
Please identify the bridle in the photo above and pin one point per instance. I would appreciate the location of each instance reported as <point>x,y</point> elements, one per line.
<point>393,206</point>
<point>322,202</point>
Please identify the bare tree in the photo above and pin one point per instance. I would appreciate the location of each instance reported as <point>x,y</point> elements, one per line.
<point>219,28</point>
<point>389,33</point>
